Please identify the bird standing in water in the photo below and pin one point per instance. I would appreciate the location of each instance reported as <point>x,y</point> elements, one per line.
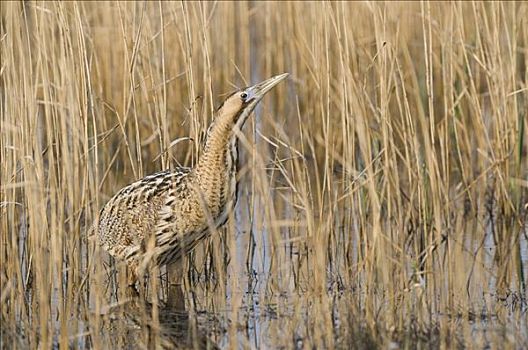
<point>163,216</point>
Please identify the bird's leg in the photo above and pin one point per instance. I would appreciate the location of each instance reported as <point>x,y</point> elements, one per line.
<point>175,297</point>
<point>131,283</point>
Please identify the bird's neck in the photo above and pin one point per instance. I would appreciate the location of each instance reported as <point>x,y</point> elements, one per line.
<point>217,145</point>
<point>216,168</point>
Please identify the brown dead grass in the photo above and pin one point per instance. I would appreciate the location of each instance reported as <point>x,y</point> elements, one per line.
<point>385,182</point>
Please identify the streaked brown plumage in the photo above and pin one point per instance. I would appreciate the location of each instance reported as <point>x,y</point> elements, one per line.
<point>163,216</point>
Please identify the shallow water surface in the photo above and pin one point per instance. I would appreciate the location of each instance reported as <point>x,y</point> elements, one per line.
<point>268,298</point>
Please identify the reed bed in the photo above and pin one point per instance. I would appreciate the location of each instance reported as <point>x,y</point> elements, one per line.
<point>384,186</point>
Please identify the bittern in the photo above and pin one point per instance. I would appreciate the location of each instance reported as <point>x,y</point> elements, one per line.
<point>162,217</point>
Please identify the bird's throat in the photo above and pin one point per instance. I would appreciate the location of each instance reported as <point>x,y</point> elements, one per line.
<point>216,172</point>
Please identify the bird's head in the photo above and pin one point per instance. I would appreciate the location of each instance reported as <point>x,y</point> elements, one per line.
<point>235,110</point>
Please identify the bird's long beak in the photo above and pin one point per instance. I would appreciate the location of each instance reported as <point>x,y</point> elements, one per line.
<point>255,94</point>
<point>257,91</point>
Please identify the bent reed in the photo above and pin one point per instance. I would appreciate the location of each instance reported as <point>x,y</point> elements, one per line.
<point>383,190</point>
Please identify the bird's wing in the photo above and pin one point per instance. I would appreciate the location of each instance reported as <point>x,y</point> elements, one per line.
<point>134,214</point>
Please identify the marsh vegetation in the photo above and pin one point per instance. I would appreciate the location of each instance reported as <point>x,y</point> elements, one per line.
<point>383,188</point>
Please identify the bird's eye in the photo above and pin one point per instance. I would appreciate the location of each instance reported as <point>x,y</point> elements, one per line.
<point>244,95</point>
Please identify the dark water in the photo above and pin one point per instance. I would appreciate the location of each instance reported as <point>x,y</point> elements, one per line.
<point>263,306</point>
<point>264,298</point>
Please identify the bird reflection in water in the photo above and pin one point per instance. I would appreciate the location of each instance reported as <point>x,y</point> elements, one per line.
<point>133,324</point>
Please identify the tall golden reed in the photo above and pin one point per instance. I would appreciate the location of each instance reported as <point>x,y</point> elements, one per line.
<point>384,187</point>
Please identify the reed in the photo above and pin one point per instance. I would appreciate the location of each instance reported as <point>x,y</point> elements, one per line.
<point>383,187</point>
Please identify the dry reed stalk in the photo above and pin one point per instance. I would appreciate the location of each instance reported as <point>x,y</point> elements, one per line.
<point>383,189</point>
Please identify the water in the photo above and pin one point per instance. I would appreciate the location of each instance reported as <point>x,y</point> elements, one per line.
<point>264,296</point>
